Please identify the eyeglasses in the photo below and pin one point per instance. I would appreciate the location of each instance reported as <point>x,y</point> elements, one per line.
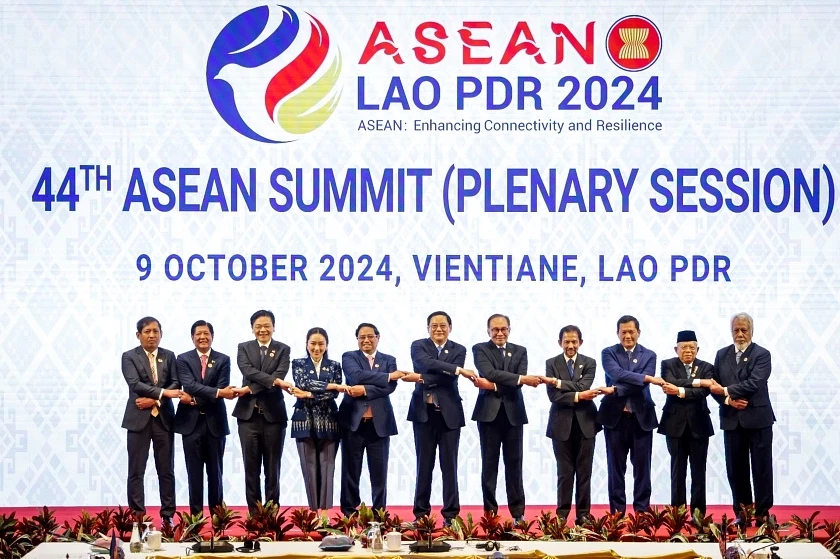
<point>438,326</point>
<point>504,330</point>
<point>367,337</point>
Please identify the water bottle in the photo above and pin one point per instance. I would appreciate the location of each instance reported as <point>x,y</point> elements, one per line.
<point>376,543</point>
<point>135,545</point>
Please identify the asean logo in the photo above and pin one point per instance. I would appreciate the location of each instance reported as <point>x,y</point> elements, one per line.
<point>273,75</point>
<point>634,43</point>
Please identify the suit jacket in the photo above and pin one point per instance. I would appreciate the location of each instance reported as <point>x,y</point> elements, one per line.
<point>260,379</point>
<point>206,406</point>
<point>138,375</point>
<point>317,416</point>
<point>629,385</point>
<point>563,405</point>
<point>439,378</point>
<point>505,373</point>
<point>691,411</point>
<point>378,388</point>
<point>746,380</point>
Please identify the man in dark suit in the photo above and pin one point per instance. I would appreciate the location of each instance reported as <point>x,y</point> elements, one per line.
<point>572,423</point>
<point>500,413</point>
<point>204,374</point>
<point>437,413</point>
<point>367,418</point>
<point>628,414</point>
<point>152,381</point>
<point>260,411</point>
<point>685,420</point>
<point>746,418</point>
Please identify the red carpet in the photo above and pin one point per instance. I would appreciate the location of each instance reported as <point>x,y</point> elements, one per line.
<point>783,513</point>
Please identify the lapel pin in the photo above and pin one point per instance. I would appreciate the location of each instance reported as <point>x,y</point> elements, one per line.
<point>160,360</point>
<point>271,354</point>
<point>580,366</point>
<point>635,360</point>
<point>446,351</point>
<point>509,354</point>
<point>210,364</point>
<point>746,359</point>
<point>376,365</point>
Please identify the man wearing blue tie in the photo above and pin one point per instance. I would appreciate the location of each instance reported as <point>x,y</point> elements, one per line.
<point>367,417</point>
<point>437,413</point>
<point>628,414</point>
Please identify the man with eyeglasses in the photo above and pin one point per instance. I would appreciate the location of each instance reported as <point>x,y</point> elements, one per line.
<point>685,420</point>
<point>260,411</point>
<point>437,413</point>
<point>367,417</point>
<point>742,370</point>
<point>500,413</point>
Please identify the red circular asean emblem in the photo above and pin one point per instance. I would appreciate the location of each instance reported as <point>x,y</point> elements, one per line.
<point>634,43</point>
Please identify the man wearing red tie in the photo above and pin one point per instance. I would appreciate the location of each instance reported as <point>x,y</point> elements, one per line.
<point>367,417</point>
<point>149,371</point>
<point>204,374</point>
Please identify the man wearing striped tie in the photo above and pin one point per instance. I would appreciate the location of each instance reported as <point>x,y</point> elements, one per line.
<point>746,419</point>
<point>152,379</point>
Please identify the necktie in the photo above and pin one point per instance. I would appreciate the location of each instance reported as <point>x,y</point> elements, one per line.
<point>153,367</point>
<point>738,355</point>
<point>503,353</point>
<point>630,359</point>
<point>370,361</point>
<point>687,370</point>
<point>263,351</point>
<point>571,365</point>
<point>368,411</point>
<point>628,406</point>
<point>203,366</point>
<point>440,348</point>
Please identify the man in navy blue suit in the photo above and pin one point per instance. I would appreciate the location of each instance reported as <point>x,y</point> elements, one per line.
<point>628,414</point>
<point>437,413</point>
<point>746,419</point>
<point>204,374</point>
<point>500,413</point>
<point>367,417</point>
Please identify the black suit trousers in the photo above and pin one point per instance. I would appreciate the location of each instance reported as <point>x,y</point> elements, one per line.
<point>744,448</point>
<point>353,447</point>
<point>262,448</point>
<point>686,450</point>
<point>202,449</point>
<point>574,469</point>
<point>431,437</point>
<point>138,454</point>
<point>494,436</point>
<point>628,436</point>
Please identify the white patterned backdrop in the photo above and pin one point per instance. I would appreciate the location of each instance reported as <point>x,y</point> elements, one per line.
<point>749,84</point>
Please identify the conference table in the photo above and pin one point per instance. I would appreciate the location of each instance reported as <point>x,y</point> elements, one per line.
<point>460,550</point>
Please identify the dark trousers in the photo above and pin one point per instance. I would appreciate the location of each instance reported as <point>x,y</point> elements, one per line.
<point>574,468</point>
<point>687,450</point>
<point>353,447</point>
<point>138,454</point>
<point>202,449</point>
<point>745,448</point>
<point>628,436</point>
<point>494,436</point>
<point>317,462</point>
<point>429,438</point>
<point>262,449</point>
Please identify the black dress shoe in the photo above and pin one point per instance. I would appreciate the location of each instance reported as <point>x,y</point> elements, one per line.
<point>583,519</point>
<point>518,519</point>
<point>742,523</point>
<point>447,522</point>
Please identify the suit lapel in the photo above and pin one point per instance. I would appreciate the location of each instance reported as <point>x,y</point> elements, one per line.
<point>143,360</point>
<point>745,358</point>
<point>270,354</point>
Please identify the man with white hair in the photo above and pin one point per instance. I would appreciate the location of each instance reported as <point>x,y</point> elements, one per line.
<point>746,419</point>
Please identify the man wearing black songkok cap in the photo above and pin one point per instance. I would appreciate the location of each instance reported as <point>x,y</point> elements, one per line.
<point>685,420</point>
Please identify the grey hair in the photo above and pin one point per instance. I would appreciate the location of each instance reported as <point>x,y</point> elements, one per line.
<point>740,316</point>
